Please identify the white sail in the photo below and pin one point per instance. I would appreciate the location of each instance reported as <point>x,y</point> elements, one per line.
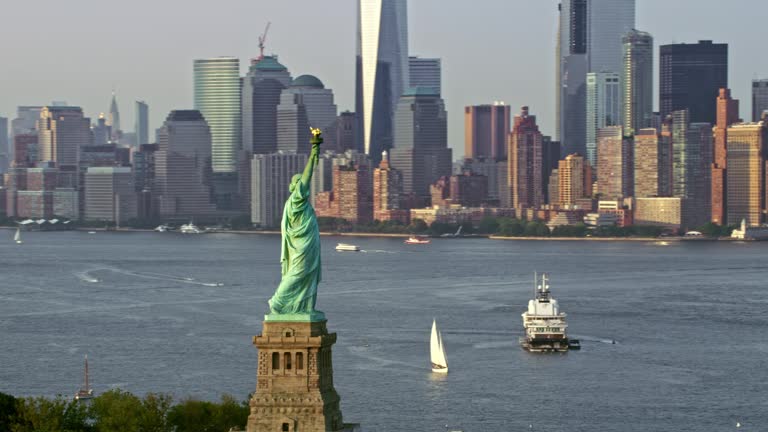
<point>437,351</point>
<point>17,237</point>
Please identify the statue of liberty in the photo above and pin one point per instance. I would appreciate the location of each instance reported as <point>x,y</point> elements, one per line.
<point>295,297</point>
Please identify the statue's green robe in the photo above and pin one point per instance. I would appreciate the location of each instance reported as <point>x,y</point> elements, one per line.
<point>300,256</point>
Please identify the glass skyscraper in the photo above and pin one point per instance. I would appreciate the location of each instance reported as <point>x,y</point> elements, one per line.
<point>382,70</point>
<point>217,97</point>
<point>141,128</point>
<point>759,98</point>
<point>637,80</point>
<point>603,107</point>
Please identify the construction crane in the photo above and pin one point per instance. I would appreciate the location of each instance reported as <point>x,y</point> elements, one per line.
<point>262,40</point>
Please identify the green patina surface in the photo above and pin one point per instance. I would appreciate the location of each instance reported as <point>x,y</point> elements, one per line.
<point>295,297</point>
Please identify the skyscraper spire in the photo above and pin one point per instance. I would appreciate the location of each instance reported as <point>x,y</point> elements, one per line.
<point>114,118</point>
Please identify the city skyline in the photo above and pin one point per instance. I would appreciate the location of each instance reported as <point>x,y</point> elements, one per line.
<point>139,68</point>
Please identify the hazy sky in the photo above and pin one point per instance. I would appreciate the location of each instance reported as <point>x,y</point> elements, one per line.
<point>78,50</point>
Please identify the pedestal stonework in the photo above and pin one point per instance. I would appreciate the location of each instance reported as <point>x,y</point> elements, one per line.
<point>294,382</point>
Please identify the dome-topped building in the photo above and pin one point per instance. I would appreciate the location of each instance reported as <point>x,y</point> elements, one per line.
<point>310,81</point>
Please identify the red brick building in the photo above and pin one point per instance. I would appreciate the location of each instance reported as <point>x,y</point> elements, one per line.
<point>351,198</point>
<point>388,193</point>
<point>727,114</point>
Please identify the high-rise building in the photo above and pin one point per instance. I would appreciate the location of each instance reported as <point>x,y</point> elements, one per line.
<point>114,119</point>
<point>382,70</point>
<point>727,114</point>
<point>425,72</point>
<point>524,161</point>
<point>666,158</point>
<point>746,154</point>
<point>421,154</point>
<point>485,131</point>
<point>603,107</point>
<point>691,167</point>
<point>293,126</point>
<point>648,155</point>
<point>102,134</point>
<point>305,103</point>
<point>759,98</point>
<point>26,120</point>
<point>387,193</point>
<point>5,149</point>
<point>24,150</point>
<point>571,180</point>
<point>270,178</point>
<point>690,77</point>
<point>141,125</point>
<point>351,198</point>
<point>590,40</point>
<point>343,132</point>
<point>615,164</point>
<point>496,173</point>
<point>261,91</point>
<point>183,167</point>
<point>217,97</point>
<point>62,131</point>
<point>110,194</point>
<point>637,81</point>
<point>550,158</point>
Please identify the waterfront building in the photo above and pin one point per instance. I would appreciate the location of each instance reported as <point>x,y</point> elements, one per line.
<point>574,181</point>
<point>382,71</point>
<point>387,193</point>
<point>270,178</point>
<point>759,98</point>
<point>603,107</point>
<point>466,190</point>
<point>421,153</point>
<point>690,77</point>
<point>727,114</point>
<point>745,176</point>
<point>637,81</point>
<point>554,188</point>
<point>525,162</point>
<point>456,214</point>
<point>662,211</point>
<point>183,167</point>
<point>550,158</point>
<point>261,89</point>
<point>691,172</point>
<point>62,131</point>
<point>647,156</point>
<point>110,194</point>
<point>615,164</point>
<point>141,123</point>
<point>496,173</point>
<point>350,198</point>
<point>485,131</point>
<point>425,72</point>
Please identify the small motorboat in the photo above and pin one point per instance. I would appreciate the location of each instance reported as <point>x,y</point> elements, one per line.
<point>416,240</point>
<point>344,247</point>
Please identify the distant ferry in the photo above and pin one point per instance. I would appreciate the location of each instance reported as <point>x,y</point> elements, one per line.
<point>162,228</point>
<point>545,326</point>
<point>344,247</point>
<point>416,240</point>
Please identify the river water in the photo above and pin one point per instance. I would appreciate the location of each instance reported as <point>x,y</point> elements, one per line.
<point>174,313</point>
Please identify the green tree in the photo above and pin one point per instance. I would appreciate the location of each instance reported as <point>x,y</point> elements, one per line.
<point>154,415</point>
<point>192,415</point>
<point>40,415</point>
<point>536,229</point>
<point>7,410</point>
<point>230,413</point>
<point>418,226</point>
<point>116,411</point>
<point>488,225</point>
<point>510,227</point>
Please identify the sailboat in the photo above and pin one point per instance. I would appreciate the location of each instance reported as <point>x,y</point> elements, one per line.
<point>17,237</point>
<point>437,351</point>
<point>85,392</point>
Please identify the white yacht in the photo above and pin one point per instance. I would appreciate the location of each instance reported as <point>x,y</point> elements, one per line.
<point>544,323</point>
<point>190,228</point>
<point>345,247</point>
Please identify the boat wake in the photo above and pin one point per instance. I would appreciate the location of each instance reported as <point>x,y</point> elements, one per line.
<point>87,276</point>
<point>377,251</point>
<point>596,339</point>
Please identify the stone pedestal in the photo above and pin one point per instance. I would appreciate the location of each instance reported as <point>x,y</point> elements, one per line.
<point>294,382</point>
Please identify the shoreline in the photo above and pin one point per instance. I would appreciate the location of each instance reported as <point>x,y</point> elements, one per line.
<point>405,235</point>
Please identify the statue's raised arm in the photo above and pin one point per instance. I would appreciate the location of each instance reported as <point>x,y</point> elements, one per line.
<point>295,297</point>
